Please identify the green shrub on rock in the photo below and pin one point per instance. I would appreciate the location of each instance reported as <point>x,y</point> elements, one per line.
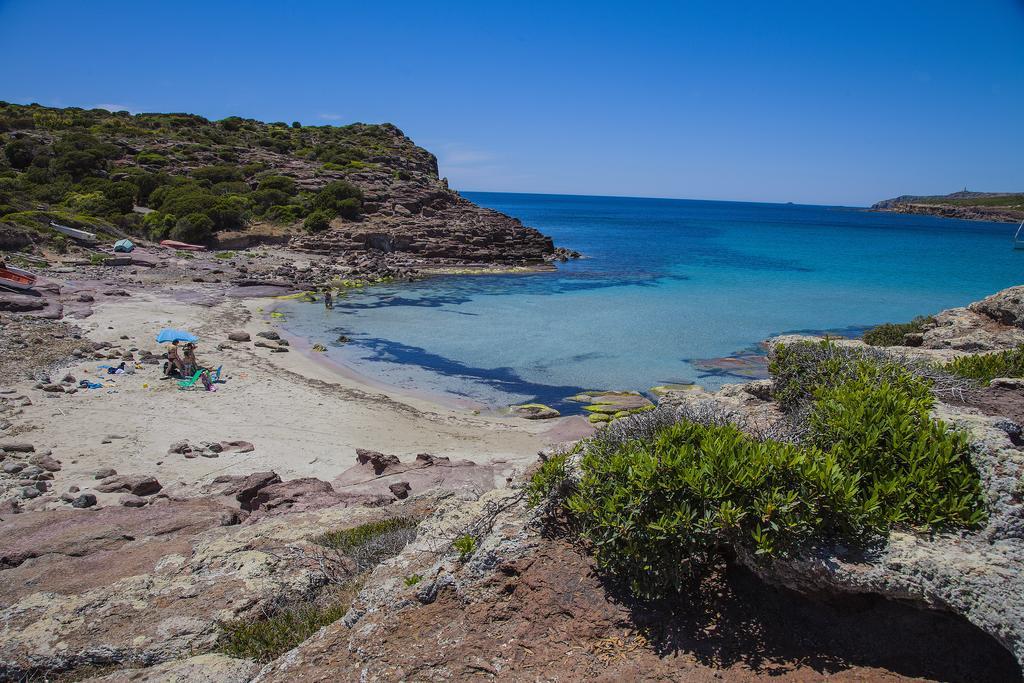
<point>195,227</point>
<point>318,221</point>
<point>20,153</point>
<point>665,507</point>
<point>915,470</point>
<point>984,367</point>
<point>342,198</point>
<point>892,334</point>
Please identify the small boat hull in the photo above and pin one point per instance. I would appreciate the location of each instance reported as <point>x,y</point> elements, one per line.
<point>74,233</point>
<point>184,246</point>
<point>16,278</point>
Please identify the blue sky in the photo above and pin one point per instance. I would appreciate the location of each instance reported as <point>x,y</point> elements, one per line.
<point>814,102</point>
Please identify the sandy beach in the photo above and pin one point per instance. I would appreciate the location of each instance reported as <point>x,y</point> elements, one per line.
<point>304,419</point>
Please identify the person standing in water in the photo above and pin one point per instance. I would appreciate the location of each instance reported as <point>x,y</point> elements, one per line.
<point>328,299</point>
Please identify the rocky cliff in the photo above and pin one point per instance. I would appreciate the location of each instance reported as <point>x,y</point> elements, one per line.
<point>364,194</point>
<point>1000,207</point>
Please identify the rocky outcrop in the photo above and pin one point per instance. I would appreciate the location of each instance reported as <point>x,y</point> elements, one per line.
<point>528,605</point>
<point>996,322</point>
<point>371,478</point>
<point>142,586</point>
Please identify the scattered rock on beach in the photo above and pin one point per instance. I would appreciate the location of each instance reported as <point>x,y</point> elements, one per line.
<point>131,500</point>
<point>534,411</point>
<point>104,473</point>
<point>400,489</point>
<point>139,484</point>
<point>47,462</point>
<point>245,490</point>
<point>17,447</point>
<point>239,336</point>
<point>269,334</point>
<point>379,461</point>
<point>84,500</point>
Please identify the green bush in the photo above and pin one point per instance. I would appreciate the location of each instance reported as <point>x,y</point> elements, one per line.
<point>158,225</point>
<point>222,173</point>
<point>891,334</point>
<point>661,510</point>
<point>799,369</point>
<point>367,545</point>
<point>340,197</point>
<point>264,198</point>
<point>914,470</point>
<point>549,480</point>
<point>318,221</point>
<point>21,152</point>
<point>985,367</point>
<point>347,540</point>
<point>151,159</point>
<point>278,182</point>
<point>285,214</point>
<point>195,227</point>
<point>466,545</point>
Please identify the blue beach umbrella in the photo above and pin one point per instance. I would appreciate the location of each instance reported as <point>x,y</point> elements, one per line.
<point>169,334</point>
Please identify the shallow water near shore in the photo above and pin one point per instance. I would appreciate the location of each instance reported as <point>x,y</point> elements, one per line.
<point>668,288</point>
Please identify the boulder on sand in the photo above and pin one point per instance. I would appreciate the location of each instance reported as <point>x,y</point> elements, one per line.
<point>379,461</point>
<point>239,336</point>
<point>137,484</point>
<point>534,411</point>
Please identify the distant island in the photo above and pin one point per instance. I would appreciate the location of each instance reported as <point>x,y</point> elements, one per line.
<point>1001,207</point>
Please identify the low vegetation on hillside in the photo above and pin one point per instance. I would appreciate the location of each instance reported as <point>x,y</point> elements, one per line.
<point>662,502</point>
<point>90,168</point>
<point>347,556</point>
<point>893,334</point>
<point>984,367</point>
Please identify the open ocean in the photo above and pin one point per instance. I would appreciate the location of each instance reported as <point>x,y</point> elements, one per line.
<point>666,289</point>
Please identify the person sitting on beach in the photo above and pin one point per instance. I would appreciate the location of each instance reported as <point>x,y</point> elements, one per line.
<point>191,364</point>
<point>328,299</point>
<point>173,367</point>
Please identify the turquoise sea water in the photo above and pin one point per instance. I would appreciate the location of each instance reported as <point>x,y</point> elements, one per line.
<point>665,285</point>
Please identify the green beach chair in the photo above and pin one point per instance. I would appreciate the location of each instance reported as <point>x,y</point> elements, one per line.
<point>189,383</point>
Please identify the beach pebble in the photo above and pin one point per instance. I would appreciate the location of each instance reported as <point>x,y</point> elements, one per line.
<point>47,462</point>
<point>17,447</point>
<point>13,467</point>
<point>73,489</point>
<point>139,484</point>
<point>53,388</point>
<point>84,500</point>
<point>30,492</point>
<point>104,473</point>
<point>239,336</point>
<point>269,334</point>
<point>131,500</point>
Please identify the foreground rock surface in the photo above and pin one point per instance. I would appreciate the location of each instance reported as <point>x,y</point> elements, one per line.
<point>529,606</point>
<point>141,586</point>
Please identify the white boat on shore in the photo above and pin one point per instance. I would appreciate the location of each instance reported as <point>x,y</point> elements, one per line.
<point>74,233</point>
